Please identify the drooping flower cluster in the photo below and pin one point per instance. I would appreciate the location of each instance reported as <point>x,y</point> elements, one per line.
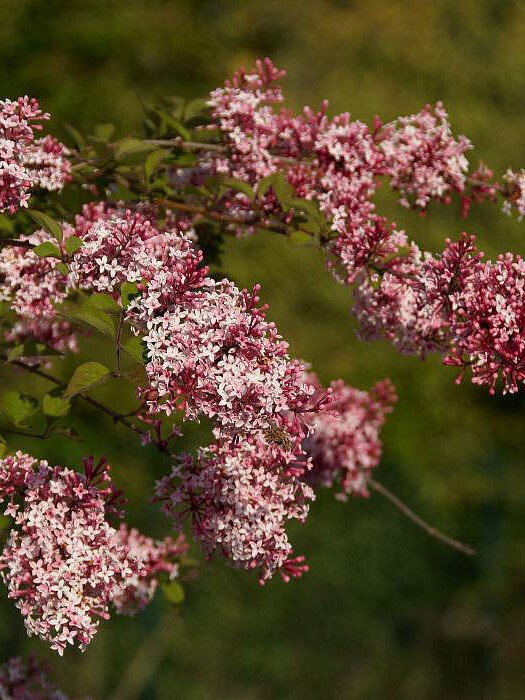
<point>26,681</point>
<point>471,310</point>
<point>26,163</point>
<point>32,285</point>
<point>344,445</point>
<point>243,112</point>
<point>210,352</point>
<point>63,563</point>
<point>388,300</point>
<point>153,559</point>
<point>240,497</point>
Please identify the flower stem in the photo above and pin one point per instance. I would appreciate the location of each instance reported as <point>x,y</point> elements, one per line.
<point>429,529</point>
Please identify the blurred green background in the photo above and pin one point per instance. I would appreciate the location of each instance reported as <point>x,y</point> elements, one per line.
<point>385,611</point>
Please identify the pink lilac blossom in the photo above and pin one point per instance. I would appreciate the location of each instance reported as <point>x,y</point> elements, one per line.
<point>424,159</point>
<point>46,159</point>
<point>63,563</point>
<point>26,164</point>
<point>33,285</point>
<point>214,354</point>
<point>26,681</point>
<point>153,560</point>
<point>470,310</point>
<point>240,496</point>
<point>514,192</point>
<point>388,300</point>
<point>344,445</point>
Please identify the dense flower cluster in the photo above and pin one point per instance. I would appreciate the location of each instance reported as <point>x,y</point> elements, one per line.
<point>240,497</point>
<point>424,160</point>
<point>63,563</point>
<point>32,285</point>
<point>344,445</point>
<point>471,310</point>
<point>153,559</point>
<point>334,161</point>
<point>210,352</point>
<point>26,681</point>
<point>26,163</point>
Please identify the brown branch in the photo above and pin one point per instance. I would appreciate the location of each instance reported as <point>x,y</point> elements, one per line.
<point>219,216</point>
<point>429,529</point>
<point>118,340</point>
<point>226,218</point>
<point>15,242</point>
<point>178,142</point>
<point>117,417</point>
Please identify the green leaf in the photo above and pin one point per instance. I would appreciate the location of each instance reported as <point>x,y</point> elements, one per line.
<point>104,131</point>
<point>104,302</point>
<point>15,353</point>
<point>152,161</point>
<point>62,268</point>
<point>72,244</point>
<point>30,349</point>
<point>86,377</point>
<point>6,224</point>
<point>127,292</point>
<point>309,206</point>
<point>47,250</point>
<point>135,348</point>
<point>129,146</point>
<point>77,137</point>
<point>195,107</point>
<point>174,592</point>
<point>283,190</point>
<point>97,319</point>
<point>136,374</point>
<point>55,406</point>
<point>18,407</point>
<point>169,120</point>
<point>46,222</point>
<point>300,238</point>
<point>104,152</point>
<point>239,185</point>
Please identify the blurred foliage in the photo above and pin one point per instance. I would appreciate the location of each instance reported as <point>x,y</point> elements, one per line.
<point>385,612</point>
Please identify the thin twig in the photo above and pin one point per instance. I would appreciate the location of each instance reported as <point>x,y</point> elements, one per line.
<point>219,216</point>
<point>118,339</point>
<point>117,417</point>
<point>429,529</point>
<point>16,242</point>
<point>227,218</point>
<point>187,145</point>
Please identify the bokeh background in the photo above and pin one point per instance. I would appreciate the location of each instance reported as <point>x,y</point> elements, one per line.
<point>385,612</point>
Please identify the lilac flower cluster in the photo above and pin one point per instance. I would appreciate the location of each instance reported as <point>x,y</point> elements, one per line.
<point>345,446</point>
<point>33,285</point>
<point>469,309</point>
<point>334,161</point>
<point>240,498</point>
<point>63,563</point>
<point>26,163</point>
<point>153,560</point>
<point>424,160</point>
<point>210,352</point>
